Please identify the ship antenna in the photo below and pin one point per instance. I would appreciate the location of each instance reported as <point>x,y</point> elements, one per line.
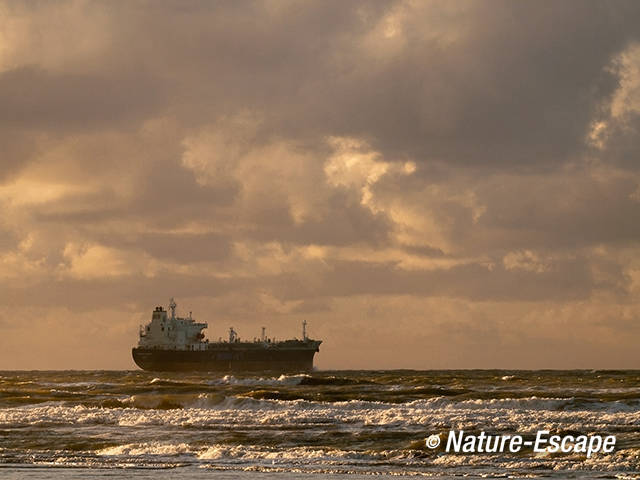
<point>173,306</point>
<point>304,330</point>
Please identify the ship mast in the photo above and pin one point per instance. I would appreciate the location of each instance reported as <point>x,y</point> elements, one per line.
<point>173,306</point>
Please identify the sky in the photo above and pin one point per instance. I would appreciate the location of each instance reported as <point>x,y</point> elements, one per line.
<point>428,184</point>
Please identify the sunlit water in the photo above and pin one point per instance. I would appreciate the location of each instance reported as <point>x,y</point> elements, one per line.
<point>103,424</point>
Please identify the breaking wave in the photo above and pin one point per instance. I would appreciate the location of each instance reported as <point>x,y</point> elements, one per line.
<point>340,422</point>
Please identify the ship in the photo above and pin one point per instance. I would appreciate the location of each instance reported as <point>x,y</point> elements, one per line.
<point>171,343</point>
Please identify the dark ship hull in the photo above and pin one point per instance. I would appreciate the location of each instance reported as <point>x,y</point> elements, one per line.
<point>288,356</point>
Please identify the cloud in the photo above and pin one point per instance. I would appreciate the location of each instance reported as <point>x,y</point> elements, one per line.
<point>33,98</point>
<point>465,172</point>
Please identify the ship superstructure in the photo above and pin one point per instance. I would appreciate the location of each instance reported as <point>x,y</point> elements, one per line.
<point>172,343</point>
<point>171,332</point>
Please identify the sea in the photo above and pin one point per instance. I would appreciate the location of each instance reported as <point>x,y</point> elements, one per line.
<point>325,424</point>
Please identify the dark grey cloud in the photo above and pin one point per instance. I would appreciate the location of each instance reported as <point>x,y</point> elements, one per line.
<point>572,210</point>
<point>33,98</point>
<point>622,144</point>
<point>567,280</point>
<point>519,85</point>
<point>178,247</point>
<point>312,285</point>
<point>8,239</point>
<point>83,295</point>
<point>346,222</point>
<point>18,148</point>
<point>514,86</point>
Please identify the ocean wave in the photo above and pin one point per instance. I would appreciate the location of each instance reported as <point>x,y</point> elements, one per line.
<point>298,455</point>
<point>388,388</point>
<point>152,448</point>
<point>410,460</point>
<point>166,383</point>
<point>211,410</point>
<point>283,400</point>
<point>248,454</point>
<point>231,380</point>
<point>290,380</point>
<point>340,422</point>
<point>302,379</point>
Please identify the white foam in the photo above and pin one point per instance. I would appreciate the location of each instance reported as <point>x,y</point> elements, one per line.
<point>272,381</point>
<point>295,455</point>
<point>151,448</point>
<point>515,414</point>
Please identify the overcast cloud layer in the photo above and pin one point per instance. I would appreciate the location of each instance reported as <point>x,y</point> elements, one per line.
<point>429,184</point>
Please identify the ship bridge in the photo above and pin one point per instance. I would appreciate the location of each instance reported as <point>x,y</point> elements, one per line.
<point>172,332</point>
